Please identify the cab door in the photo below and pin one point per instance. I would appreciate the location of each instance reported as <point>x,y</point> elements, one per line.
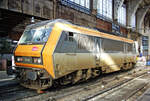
<point>64,54</point>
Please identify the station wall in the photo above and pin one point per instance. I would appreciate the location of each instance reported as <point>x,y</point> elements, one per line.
<point>52,9</point>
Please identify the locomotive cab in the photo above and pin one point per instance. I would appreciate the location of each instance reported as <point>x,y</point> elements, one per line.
<point>30,67</point>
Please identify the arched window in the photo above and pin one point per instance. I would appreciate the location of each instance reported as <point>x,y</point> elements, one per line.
<point>104,9</point>
<point>133,21</point>
<point>122,15</point>
<point>81,5</point>
<point>85,3</point>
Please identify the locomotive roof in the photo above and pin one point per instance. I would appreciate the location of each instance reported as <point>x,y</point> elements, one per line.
<point>92,32</point>
<point>79,29</point>
<point>49,22</point>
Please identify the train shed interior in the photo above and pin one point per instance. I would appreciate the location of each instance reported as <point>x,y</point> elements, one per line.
<point>129,19</point>
<point>125,18</point>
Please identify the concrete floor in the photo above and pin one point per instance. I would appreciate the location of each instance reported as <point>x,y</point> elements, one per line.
<point>4,76</point>
<point>5,79</point>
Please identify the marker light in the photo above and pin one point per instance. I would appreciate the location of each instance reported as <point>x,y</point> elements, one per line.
<point>37,60</point>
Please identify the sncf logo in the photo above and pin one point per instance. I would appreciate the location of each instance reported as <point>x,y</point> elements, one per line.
<point>34,48</point>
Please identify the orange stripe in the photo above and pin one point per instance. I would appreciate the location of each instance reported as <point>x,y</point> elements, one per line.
<point>49,49</point>
<point>26,50</point>
<point>95,33</point>
<point>29,65</point>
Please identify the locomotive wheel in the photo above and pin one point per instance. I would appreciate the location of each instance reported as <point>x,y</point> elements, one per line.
<point>88,74</point>
<point>96,72</point>
<point>133,65</point>
<point>77,77</point>
<point>125,66</point>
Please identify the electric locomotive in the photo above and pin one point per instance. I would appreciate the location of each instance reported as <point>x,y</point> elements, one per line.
<point>57,51</point>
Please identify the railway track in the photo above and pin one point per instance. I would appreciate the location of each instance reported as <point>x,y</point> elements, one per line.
<point>79,91</point>
<point>11,90</point>
<point>128,88</point>
<point>54,93</point>
<point>97,89</point>
<point>82,90</point>
<point>16,93</point>
<point>7,86</point>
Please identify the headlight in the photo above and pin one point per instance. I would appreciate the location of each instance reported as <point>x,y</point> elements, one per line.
<point>37,60</point>
<point>30,60</point>
<point>19,59</point>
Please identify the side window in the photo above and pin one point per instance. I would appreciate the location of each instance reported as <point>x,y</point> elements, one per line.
<point>109,45</point>
<point>97,45</point>
<point>129,47</point>
<point>68,36</point>
<point>67,43</point>
<point>85,43</point>
<point>92,43</point>
<point>82,42</point>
